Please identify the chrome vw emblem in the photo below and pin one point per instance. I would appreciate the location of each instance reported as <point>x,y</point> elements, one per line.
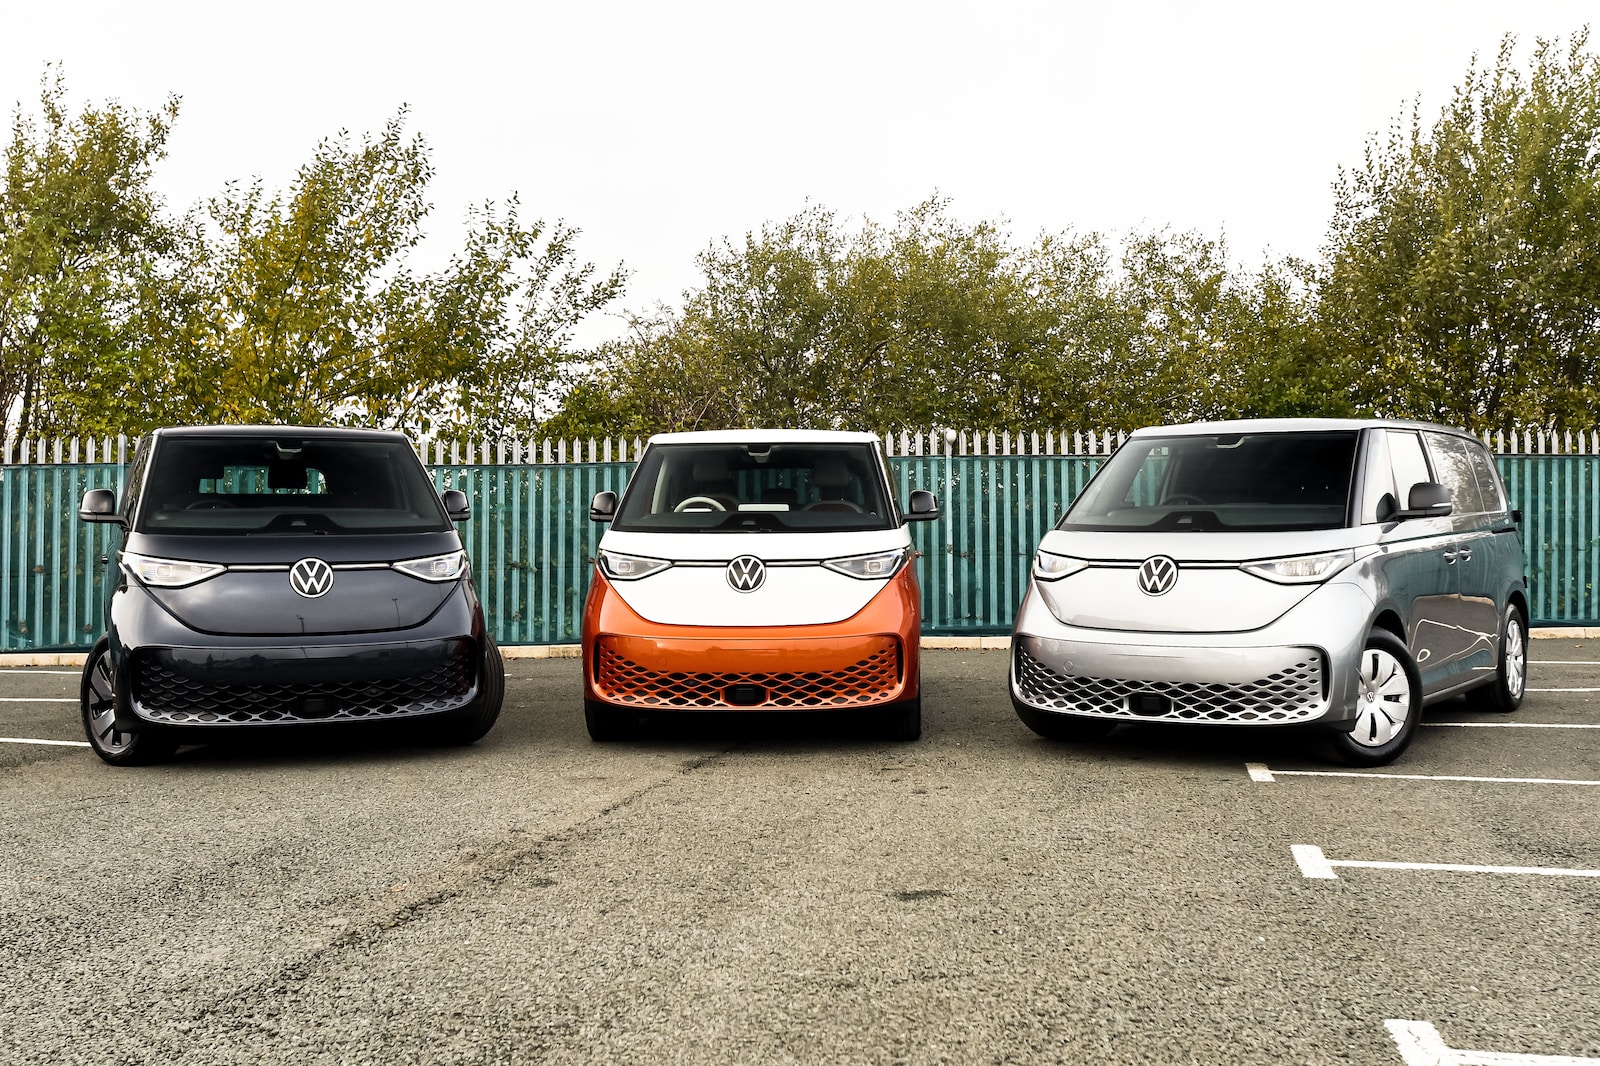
<point>1157,575</point>
<point>311,578</point>
<point>746,573</point>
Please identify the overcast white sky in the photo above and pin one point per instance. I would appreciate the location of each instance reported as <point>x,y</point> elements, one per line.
<point>657,128</point>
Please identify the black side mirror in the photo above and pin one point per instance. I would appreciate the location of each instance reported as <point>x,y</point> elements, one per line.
<point>1428,499</point>
<point>603,508</point>
<point>99,505</point>
<point>924,506</point>
<point>456,505</point>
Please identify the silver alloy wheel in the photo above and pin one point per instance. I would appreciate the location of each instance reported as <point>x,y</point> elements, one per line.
<point>1516,657</point>
<point>1384,702</point>
<point>99,713</point>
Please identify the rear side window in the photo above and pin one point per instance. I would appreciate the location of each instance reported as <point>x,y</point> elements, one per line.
<point>231,485</point>
<point>1453,463</point>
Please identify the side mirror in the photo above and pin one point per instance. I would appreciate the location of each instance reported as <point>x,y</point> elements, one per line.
<point>603,508</point>
<point>924,506</point>
<point>456,505</point>
<point>1428,499</point>
<point>99,505</point>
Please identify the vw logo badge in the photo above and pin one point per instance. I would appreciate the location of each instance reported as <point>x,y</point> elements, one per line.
<point>1157,575</point>
<point>311,578</point>
<point>746,573</point>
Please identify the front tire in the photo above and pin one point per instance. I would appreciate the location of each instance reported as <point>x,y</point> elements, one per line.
<point>97,706</point>
<point>607,723</point>
<point>1389,703</point>
<point>470,723</point>
<point>1062,727</point>
<point>1504,694</point>
<point>903,721</point>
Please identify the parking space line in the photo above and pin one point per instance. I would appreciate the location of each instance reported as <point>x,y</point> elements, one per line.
<point>1564,690</point>
<point>1262,773</point>
<point>1564,662</point>
<point>37,699</point>
<point>1511,725</point>
<point>1314,864</point>
<point>58,743</point>
<point>1420,1044</point>
<point>12,671</point>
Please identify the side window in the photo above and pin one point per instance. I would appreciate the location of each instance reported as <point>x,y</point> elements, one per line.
<point>1407,461</point>
<point>1379,499</point>
<point>1494,497</point>
<point>1455,472</point>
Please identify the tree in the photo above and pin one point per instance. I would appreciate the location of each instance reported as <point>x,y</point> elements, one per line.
<point>1460,281</point>
<point>304,308</point>
<point>83,246</point>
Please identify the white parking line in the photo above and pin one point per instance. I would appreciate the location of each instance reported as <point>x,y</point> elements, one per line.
<point>1563,662</point>
<point>1313,863</point>
<point>1420,1044</point>
<point>58,743</point>
<point>1511,725</point>
<point>12,670</point>
<point>37,699</point>
<point>1260,772</point>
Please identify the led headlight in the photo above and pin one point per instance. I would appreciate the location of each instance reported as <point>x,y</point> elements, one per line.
<point>621,567</point>
<point>446,567</point>
<point>168,573</point>
<point>1047,566</point>
<point>868,567</point>
<point>1302,569</point>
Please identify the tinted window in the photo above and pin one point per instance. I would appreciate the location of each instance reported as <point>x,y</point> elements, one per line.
<point>1494,498</point>
<point>729,488</point>
<point>255,485</point>
<point>1231,481</point>
<point>1454,468</point>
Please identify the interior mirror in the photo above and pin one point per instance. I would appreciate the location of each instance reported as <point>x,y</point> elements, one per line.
<point>99,505</point>
<point>924,506</point>
<point>1428,499</point>
<point>457,505</point>
<point>604,507</point>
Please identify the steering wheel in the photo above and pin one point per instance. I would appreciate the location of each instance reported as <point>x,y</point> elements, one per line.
<point>210,505</point>
<point>700,503</point>
<point>1182,498</point>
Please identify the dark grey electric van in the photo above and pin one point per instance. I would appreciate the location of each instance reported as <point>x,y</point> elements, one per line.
<point>1333,573</point>
<point>277,575</point>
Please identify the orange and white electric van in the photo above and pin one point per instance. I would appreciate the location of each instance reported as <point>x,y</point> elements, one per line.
<point>755,570</point>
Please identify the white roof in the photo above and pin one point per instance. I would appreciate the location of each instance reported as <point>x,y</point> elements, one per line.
<point>1285,425</point>
<point>764,436</point>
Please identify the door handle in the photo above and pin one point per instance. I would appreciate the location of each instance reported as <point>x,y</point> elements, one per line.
<point>1450,557</point>
<point>1464,555</point>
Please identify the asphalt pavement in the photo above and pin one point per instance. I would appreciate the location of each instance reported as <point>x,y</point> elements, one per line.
<point>757,890</point>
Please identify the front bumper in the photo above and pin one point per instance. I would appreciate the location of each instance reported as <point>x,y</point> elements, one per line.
<point>1300,669</point>
<point>868,660</point>
<point>171,675</point>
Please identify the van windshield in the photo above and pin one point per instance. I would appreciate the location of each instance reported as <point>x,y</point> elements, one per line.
<point>1222,481</point>
<point>233,485</point>
<point>737,488</point>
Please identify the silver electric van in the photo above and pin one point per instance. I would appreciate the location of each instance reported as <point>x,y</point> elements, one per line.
<point>1334,573</point>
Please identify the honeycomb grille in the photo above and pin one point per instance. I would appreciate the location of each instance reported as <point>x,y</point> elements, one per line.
<point>873,679</point>
<point>164,695</point>
<point>1293,694</point>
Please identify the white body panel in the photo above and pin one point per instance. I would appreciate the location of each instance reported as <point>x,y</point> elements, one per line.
<point>792,595</point>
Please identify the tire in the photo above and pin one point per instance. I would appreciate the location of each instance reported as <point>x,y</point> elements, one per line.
<point>1504,694</point>
<point>1389,704</point>
<point>903,721</point>
<point>1064,727</point>
<point>470,723</point>
<point>97,706</point>
<point>607,723</point>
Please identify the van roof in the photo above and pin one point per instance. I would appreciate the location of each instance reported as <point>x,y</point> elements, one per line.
<point>1289,425</point>
<point>765,436</point>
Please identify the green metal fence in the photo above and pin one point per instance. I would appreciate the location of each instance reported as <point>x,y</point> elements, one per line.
<point>532,545</point>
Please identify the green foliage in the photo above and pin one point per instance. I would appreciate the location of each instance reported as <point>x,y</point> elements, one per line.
<point>1461,281</point>
<point>307,311</point>
<point>933,322</point>
<point>82,263</point>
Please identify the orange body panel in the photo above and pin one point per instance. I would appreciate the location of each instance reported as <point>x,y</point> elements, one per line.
<point>868,660</point>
